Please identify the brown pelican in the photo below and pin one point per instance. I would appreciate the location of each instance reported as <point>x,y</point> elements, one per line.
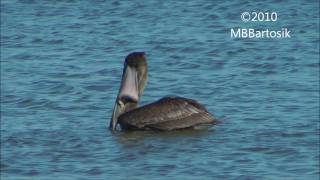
<point>168,113</point>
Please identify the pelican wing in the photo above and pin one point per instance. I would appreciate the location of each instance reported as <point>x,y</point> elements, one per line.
<point>166,114</point>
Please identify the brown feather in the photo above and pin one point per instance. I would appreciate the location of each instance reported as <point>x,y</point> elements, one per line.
<point>166,114</point>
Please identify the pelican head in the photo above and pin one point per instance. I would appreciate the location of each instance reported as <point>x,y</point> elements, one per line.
<point>134,77</point>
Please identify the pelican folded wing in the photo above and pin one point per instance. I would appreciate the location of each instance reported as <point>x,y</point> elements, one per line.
<point>166,114</point>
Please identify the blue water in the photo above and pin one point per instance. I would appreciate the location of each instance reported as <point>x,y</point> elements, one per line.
<point>61,63</point>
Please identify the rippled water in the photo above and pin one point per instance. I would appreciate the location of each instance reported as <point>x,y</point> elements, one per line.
<point>61,63</point>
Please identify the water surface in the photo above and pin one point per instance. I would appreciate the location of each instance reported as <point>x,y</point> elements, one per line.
<point>61,63</point>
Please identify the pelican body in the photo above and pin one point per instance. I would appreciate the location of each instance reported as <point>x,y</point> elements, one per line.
<point>168,113</point>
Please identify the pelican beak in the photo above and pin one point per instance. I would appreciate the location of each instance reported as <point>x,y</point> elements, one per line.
<point>117,110</point>
<point>128,96</point>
